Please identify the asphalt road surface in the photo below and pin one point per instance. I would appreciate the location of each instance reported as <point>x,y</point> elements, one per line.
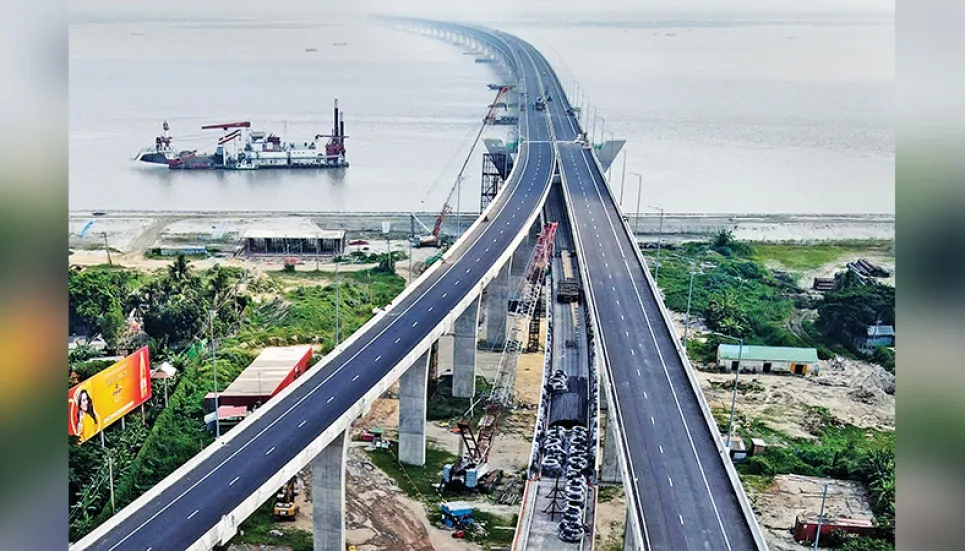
<point>191,505</point>
<point>686,499</point>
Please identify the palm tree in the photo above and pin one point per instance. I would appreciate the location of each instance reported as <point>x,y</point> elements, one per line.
<point>179,270</point>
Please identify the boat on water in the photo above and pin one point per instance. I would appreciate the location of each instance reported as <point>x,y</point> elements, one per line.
<point>240,148</point>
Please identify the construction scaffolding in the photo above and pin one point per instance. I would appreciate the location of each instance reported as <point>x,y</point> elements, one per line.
<point>493,170</point>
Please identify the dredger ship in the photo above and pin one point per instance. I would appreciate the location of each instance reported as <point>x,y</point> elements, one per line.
<point>240,148</point>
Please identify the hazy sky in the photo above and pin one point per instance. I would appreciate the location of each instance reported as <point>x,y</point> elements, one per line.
<point>488,10</point>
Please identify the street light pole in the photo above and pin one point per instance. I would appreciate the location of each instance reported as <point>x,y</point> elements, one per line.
<point>337,301</point>
<point>636,222</point>
<point>690,295</point>
<point>656,276</point>
<point>214,375</point>
<point>623,179</point>
<point>733,401</point>
<point>817,535</point>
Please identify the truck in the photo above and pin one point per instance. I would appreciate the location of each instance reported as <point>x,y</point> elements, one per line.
<point>540,104</point>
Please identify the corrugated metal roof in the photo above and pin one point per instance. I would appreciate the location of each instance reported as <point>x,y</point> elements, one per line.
<point>269,369</point>
<point>881,331</point>
<point>294,234</point>
<point>768,353</point>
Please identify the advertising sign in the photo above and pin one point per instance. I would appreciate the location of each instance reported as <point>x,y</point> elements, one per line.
<point>98,402</point>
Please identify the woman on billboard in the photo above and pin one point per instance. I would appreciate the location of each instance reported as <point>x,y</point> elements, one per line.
<point>84,420</point>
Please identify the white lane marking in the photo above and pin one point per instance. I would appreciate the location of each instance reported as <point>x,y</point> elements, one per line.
<point>661,448</point>
<point>415,323</point>
<point>487,249</point>
<point>652,422</point>
<point>329,401</point>
<point>271,449</point>
<point>627,333</point>
<point>680,516</point>
<point>379,357</point>
<point>397,340</point>
<point>467,270</point>
<point>457,282</point>
<point>632,353</point>
<point>283,414</point>
<point>610,276</point>
<point>232,483</point>
<point>302,424</point>
<point>444,295</point>
<point>645,395</point>
<point>431,308</point>
<point>192,514</point>
<point>355,378</point>
<point>663,363</point>
<point>638,373</point>
<point>622,318</point>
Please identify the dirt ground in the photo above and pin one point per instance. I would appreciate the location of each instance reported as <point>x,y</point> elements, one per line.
<point>611,518</point>
<point>380,517</point>
<point>854,391</point>
<point>791,495</point>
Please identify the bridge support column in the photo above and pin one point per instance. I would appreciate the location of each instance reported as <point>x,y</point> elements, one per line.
<point>412,412</point>
<point>464,352</point>
<point>610,470</point>
<point>629,539</point>
<point>497,307</point>
<point>328,495</point>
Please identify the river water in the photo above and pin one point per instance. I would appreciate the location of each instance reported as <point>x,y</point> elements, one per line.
<point>761,115</point>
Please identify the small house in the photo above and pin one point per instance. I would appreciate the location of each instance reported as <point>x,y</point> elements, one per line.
<point>879,335</point>
<point>767,359</point>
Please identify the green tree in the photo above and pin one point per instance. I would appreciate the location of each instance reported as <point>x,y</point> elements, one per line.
<point>98,300</point>
<point>724,314</point>
<point>845,313</point>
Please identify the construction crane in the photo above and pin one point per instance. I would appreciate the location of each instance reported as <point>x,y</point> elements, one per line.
<point>471,468</point>
<point>433,237</point>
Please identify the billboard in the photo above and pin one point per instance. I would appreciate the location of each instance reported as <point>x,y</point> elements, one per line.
<point>98,402</point>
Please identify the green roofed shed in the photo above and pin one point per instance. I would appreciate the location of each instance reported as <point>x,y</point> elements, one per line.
<point>767,359</point>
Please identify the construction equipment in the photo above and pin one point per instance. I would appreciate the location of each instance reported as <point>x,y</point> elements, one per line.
<point>472,465</point>
<point>285,506</point>
<point>434,236</point>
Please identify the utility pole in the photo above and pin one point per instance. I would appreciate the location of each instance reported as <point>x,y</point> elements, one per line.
<point>623,179</point>
<point>656,277</point>
<point>107,249</point>
<point>337,301</point>
<point>733,401</point>
<point>817,535</point>
<point>636,222</point>
<point>110,475</point>
<point>214,375</point>
<point>690,294</point>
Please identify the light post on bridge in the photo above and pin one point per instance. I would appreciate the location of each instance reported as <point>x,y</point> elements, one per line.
<point>690,294</point>
<point>656,276</point>
<point>733,401</point>
<point>636,221</point>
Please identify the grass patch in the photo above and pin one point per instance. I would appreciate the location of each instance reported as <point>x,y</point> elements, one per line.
<point>500,530</point>
<point>802,257</point>
<point>256,527</point>
<point>419,483</point>
<point>608,492</point>
<point>443,406</point>
<point>756,482</point>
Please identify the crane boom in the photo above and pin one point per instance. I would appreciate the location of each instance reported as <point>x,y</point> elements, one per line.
<point>447,207</point>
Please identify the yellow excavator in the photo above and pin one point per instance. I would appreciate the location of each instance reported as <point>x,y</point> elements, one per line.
<point>285,507</point>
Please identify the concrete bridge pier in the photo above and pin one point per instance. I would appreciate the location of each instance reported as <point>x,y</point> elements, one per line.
<point>328,495</point>
<point>464,352</point>
<point>497,306</point>
<point>413,387</point>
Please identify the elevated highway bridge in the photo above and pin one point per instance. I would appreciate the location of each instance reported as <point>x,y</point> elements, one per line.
<point>682,491</point>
